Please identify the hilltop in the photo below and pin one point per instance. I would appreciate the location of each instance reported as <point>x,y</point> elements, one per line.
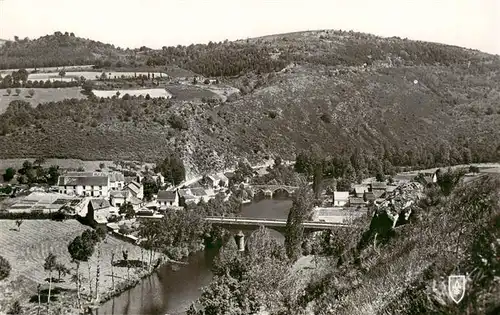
<point>396,100</point>
<point>55,50</point>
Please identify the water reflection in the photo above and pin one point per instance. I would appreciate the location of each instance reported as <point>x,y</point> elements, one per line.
<point>174,287</point>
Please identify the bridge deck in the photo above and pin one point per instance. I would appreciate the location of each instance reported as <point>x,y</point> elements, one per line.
<point>270,222</point>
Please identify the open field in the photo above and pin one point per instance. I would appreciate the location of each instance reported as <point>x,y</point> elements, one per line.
<point>41,96</point>
<point>27,249</point>
<point>185,92</point>
<point>50,69</point>
<point>88,75</point>
<point>62,163</point>
<point>154,93</point>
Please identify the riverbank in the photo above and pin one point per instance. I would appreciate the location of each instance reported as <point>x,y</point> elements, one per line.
<point>27,249</point>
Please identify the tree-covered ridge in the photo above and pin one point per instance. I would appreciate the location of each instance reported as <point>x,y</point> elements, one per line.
<point>59,49</point>
<point>259,55</point>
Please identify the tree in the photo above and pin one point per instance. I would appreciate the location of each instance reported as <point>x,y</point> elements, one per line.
<point>53,175</point>
<point>87,87</point>
<point>127,209</point>
<point>101,233</point>
<point>18,91</point>
<point>300,211</point>
<point>172,168</point>
<point>31,92</point>
<point>4,268</point>
<point>80,249</point>
<point>9,174</point>
<point>102,165</point>
<point>117,94</point>
<point>9,91</point>
<point>50,265</point>
<point>61,270</point>
<point>15,308</point>
<point>150,230</point>
<point>380,177</point>
<point>62,74</point>
<point>39,161</point>
<point>18,224</point>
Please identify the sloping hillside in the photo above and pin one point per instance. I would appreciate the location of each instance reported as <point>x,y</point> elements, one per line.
<point>410,103</point>
<point>55,50</point>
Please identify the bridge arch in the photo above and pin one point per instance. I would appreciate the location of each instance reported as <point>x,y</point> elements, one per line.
<point>260,194</point>
<point>282,192</point>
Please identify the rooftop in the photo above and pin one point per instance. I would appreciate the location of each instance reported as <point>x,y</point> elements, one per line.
<point>199,192</point>
<point>356,200</point>
<point>134,186</point>
<point>166,195</point>
<point>116,177</point>
<point>379,185</point>
<point>341,195</point>
<point>77,180</point>
<point>99,204</point>
<point>118,194</point>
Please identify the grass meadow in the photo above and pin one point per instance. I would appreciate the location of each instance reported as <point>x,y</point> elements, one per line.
<point>27,249</point>
<point>41,96</point>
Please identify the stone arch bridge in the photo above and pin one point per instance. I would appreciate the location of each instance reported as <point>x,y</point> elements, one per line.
<point>271,190</point>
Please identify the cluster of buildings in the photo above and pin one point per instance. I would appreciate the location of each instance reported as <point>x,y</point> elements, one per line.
<point>104,193</point>
<point>350,204</point>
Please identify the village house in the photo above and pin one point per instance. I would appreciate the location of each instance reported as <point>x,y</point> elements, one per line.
<point>168,198</point>
<point>359,190</point>
<point>217,180</point>
<point>402,179</point>
<point>185,197</point>
<point>369,197</point>
<point>116,180</point>
<point>135,189</point>
<point>118,198</point>
<point>103,208</point>
<point>340,198</point>
<point>93,184</point>
<point>378,188</point>
<point>357,202</point>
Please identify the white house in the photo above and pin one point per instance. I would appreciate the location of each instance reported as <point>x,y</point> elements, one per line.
<point>103,208</point>
<point>340,198</point>
<point>168,198</point>
<point>118,197</point>
<point>116,180</point>
<point>359,190</point>
<point>92,184</point>
<point>135,189</point>
<point>217,180</point>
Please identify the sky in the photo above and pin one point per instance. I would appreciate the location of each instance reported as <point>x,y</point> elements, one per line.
<point>156,23</point>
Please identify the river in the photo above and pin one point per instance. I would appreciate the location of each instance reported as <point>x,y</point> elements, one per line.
<point>173,288</point>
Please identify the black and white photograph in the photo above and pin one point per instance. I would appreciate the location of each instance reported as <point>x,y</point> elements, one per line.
<point>250,157</point>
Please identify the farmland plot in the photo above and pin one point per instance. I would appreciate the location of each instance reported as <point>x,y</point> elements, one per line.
<point>152,93</point>
<point>27,249</point>
<point>88,75</point>
<point>40,96</point>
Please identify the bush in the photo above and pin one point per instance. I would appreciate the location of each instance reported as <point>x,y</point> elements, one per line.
<point>326,118</point>
<point>4,268</point>
<point>15,308</point>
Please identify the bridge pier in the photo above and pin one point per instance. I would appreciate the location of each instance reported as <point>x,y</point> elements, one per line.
<point>240,241</point>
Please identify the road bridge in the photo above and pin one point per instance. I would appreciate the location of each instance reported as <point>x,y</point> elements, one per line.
<point>242,226</point>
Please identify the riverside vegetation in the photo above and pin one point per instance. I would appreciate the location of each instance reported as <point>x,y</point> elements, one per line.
<point>371,269</point>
